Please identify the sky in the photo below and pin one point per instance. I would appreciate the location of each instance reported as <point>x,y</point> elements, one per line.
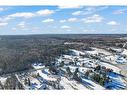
<point>24,20</point>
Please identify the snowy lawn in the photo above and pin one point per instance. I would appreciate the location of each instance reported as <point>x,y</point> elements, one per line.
<point>116,82</point>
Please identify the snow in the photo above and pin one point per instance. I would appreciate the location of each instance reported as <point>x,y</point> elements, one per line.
<point>38,66</point>
<point>110,58</point>
<point>102,51</point>
<point>97,51</point>
<point>123,38</point>
<point>67,56</point>
<point>107,65</point>
<point>83,64</point>
<point>76,52</point>
<point>3,79</point>
<point>88,62</point>
<point>71,84</point>
<point>91,84</point>
<point>116,59</point>
<point>81,69</point>
<point>121,60</point>
<point>35,84</point>
<point>116,49</point>
<point>124,52</point>
<point>116,83</point>
<point>44,75</point>
<point>92,52</point>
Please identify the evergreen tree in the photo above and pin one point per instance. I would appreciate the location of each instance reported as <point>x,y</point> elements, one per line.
<point>1,85</point>
<point>68,71</point>
<point>87,74</point>
<point>97,68</point>
<point>76,76</point>
<point>101,81</point>
<point>62,64</point>
<point>25,81</point>
<point>29,83</point>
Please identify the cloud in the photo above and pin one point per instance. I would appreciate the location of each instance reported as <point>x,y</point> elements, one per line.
<point>25,29</point>
<point>69,6</point>
<point>85,11</point>
<point>89,30</point>
<point>35,28</point>
<point>93,19</point>
<point>22,24</point>
<point>26,15</point>
<point>14,29</point>
<point>0,19</point>
<point>48,20</point>
<point>120,11</point>
<point>2,9</point>
<point>72,19</point>
<point>68,20</point>
<point>3,23</point>
<point>85,30</point>
<point>76,13</point>
<point>89,10</point>
<point>65,27</point>
<point>113,29</point>
<point>63,20</point>
<point>69,30</point>
<point>45,12</point>
<point>112,23</point>
<point>23,14</point>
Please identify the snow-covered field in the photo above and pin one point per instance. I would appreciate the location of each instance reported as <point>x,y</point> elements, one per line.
<point>116,83</point>
<point>92,85</point>
<point>71,84</point>
<point>83,64</point>
<point>42,78</point>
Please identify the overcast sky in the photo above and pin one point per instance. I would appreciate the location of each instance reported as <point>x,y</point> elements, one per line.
<point>16,20</point>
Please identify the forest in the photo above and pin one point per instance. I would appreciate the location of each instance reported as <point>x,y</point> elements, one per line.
<point>17,53</point>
